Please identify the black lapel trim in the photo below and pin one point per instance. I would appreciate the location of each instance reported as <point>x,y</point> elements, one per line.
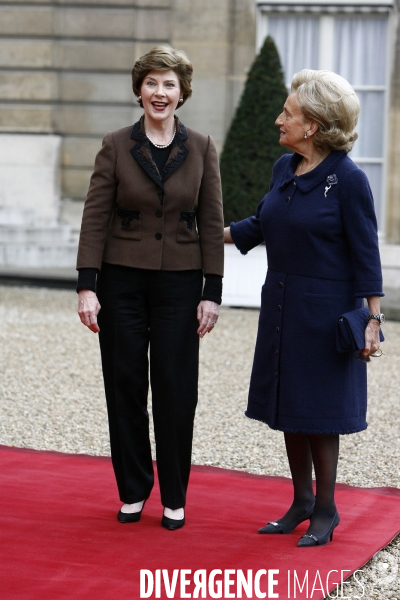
<point>141,152</point>
<point>175,160</point>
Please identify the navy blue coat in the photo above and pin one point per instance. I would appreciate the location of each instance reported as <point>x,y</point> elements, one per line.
<point>320,233</point>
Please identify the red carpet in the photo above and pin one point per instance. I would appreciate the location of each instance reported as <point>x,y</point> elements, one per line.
<point>59,537</point>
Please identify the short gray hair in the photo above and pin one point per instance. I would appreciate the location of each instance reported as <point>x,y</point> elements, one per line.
<point>328,99</point>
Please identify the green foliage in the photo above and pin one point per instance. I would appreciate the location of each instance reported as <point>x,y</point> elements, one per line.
<point>252,143</point>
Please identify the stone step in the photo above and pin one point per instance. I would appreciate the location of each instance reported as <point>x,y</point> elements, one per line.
<point>34,235</point>
<point>46,255</point>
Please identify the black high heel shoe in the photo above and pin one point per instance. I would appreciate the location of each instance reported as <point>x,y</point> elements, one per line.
<point>172,524</point>
<point>279,527</point>
<point>308,539</point>
<point>130,517</point>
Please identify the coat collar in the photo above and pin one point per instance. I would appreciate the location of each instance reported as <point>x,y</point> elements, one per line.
<point>310,180</point>
<point>141,152</point>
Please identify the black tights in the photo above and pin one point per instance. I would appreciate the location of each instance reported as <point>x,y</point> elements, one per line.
<point>303,452</point>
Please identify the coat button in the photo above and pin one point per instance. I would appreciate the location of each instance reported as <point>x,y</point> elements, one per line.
<point>277,330</point>
<point>280,284</point>
<point>288,199</point>
<point>279,308</point>
<point>158,236</point>
<point>294,184</point>
<point>159,213</point>
<point>277,351</point>
<point>276,374</point>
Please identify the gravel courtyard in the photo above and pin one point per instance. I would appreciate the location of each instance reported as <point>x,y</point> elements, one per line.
<point>51,398</point>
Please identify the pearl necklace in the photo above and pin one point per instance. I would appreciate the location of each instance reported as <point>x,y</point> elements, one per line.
<point>161,146</point>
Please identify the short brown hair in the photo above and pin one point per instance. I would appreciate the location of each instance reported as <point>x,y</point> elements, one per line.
<point>163,58</point>
<point>328,99</point>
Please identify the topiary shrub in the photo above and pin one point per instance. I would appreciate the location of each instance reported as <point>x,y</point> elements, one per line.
<point>252,143</point>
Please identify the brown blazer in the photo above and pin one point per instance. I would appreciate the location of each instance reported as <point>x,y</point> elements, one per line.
<point>135,217</point>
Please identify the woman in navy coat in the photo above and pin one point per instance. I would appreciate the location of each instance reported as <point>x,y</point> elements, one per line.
<point>319,227</point>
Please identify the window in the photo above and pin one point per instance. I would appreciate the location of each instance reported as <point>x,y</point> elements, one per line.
<point>353,42</point>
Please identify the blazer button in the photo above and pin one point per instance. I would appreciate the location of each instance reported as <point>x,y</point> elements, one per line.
<point>158,236</point>
<point>277,330</point>
<point>279,308</point>
<point>294,184</point>
<point>159,213</point>
<point>288,199</point>
<point>276,374</point>
<point>277,351</point>
<point>280,284</point>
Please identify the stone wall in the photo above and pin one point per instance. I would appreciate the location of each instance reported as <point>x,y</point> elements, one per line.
<point>219,38</point>
<point>65,70</point>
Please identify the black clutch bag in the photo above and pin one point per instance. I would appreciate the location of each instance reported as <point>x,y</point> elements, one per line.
<point>350,330</point>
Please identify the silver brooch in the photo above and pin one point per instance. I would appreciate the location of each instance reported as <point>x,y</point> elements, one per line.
<point>330,180</point>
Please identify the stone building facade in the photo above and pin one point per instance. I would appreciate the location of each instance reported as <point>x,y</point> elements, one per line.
<point>65,81</point>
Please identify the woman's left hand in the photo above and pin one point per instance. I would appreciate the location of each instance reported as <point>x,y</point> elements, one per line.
<point>372,341</point>
<point>207,316</point>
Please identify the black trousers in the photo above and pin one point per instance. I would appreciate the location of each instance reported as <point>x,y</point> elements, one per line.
<point>156,310</point>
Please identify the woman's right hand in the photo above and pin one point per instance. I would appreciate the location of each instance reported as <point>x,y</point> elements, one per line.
<point>88,309</point>
<point>227,236</point>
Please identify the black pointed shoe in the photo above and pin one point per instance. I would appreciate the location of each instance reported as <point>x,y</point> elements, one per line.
<point>309,540</point>
<point>130,517</point>
<point>279,527</point>
<point>172,524</point>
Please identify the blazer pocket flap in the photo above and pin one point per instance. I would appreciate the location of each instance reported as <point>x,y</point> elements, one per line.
<point>126,224</point>
<point>187,230</point>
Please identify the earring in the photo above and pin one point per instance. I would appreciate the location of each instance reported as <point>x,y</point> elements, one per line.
<point>305,136</point>
<point>180,99</point>
<point>139,98</point>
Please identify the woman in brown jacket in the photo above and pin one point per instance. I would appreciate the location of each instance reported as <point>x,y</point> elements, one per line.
<point>152,227</point>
